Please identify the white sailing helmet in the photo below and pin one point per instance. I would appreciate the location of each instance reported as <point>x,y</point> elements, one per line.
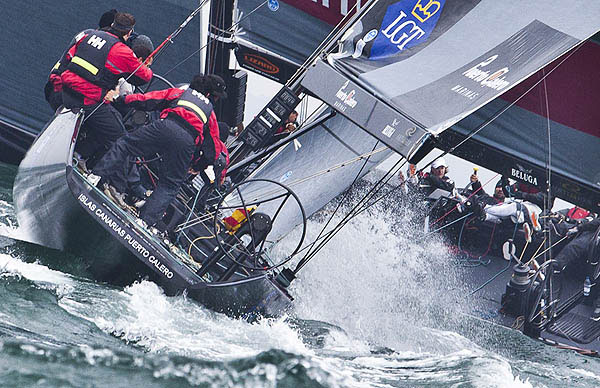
<point>439,162</point>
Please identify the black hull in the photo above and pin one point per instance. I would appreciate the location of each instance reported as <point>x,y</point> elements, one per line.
<point>56,207</point>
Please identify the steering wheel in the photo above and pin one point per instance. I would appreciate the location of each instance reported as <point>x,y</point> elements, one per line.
<point>260,202</point>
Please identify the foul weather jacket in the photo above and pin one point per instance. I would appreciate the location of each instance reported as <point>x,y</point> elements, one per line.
<point>189,108</point>
<point>96,62</point>
<point>54,80</point>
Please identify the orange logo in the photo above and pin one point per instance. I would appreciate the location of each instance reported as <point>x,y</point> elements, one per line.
<point>260,63</point>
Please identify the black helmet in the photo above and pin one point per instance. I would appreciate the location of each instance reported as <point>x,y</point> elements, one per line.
<point>107,18</point>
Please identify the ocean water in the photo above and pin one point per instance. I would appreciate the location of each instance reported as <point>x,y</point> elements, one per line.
<point>378,307</point>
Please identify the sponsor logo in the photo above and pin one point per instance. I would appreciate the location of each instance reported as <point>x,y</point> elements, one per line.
<point>129,240</point>
<point>200,96</point>
<point>465,92</point>
<point>260,63</point>
<point>425,12</point>
<point>490,78</point>
<point>96,42</point>
<point>285,177</point>
<point>347,98</point>
<point>273,5</point>
<point>79,36</point>
<point>406,24</point>
<point>388,131</point>
<point>524,175</point>
<point>370,36</point>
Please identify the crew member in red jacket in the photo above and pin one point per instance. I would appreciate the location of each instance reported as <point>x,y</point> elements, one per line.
<point>96,62</point>
<point>53,88</point>
<point>185,113</point>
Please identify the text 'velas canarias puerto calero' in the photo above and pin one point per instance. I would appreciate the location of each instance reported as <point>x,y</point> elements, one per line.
<point>130,240</point>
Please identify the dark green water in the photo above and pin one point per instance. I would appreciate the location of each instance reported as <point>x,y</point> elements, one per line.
<point>368,314</point>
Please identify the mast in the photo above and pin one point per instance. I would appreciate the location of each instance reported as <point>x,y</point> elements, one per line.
<point>218,53</point>
<point>218,57</point>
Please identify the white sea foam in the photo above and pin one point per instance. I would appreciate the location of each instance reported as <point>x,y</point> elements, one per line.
<point>41,275</point>
<point>144,315</point>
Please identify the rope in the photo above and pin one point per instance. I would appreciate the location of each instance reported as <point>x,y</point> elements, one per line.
<point>228,31</point>
<point>325,171</point>
<point>484,254</point>
<point>189,215</point>
<point>340,203</point>
<point>361,206</point>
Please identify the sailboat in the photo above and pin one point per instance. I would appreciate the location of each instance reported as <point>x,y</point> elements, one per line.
<point>492,90</point>
<point>224,266</point>
<point>394,76</point>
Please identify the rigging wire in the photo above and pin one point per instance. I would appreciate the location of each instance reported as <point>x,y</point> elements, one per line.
<point>326,42</point>
<point>221,34</point>
<point>361,206</point>
<point>343,198</point>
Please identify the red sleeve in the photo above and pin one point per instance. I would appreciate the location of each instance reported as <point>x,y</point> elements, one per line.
<point>71,51</point>
<point>156,100</point>
<point>213,127</point>
<point>121,60</point>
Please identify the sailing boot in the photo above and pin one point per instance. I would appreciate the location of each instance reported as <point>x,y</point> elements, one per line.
<point>81,164</point>
<point>115,196</point>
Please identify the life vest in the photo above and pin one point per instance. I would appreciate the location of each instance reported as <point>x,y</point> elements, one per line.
<point>196,103</point>
<point>90,58</point>
<point>62,63</point>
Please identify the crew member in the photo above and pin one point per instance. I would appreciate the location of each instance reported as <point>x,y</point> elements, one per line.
<point>437,178</point>
<point>577,252</point>
<point>484,197</point>
<point>290,123</point>
<point>96,62</point>
<point>53,88</point>
<point>509,201</point>
<point>213,152</point>
<point>185,114</point>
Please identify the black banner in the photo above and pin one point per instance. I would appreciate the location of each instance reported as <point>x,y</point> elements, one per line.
<point>265,64</point>
<point>365,110</point>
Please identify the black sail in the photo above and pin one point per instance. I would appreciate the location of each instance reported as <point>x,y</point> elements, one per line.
<point>559,100</point>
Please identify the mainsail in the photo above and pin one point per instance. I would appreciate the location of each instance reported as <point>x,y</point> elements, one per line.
<point>413,67</point>
<point>559,100</point>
